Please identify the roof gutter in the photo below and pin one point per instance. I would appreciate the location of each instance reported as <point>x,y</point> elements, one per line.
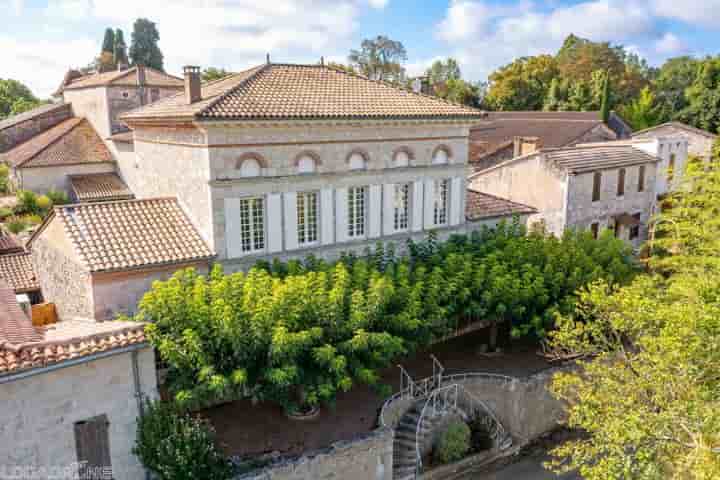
<point>72,362</point>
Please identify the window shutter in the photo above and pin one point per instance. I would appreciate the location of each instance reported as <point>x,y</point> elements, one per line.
<point>273,221</point>
<point>416,206</point>
<point>341,214</point>
<point>388,208</point>
<point>327,217</point>
<point>429,204</point>
<point>374,211</point>
<point>291,235</point>
<point>232,228</point>
<point>456,191</point>
<point>92,445</point>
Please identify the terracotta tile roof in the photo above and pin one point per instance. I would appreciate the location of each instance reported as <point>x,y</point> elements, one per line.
<point>15,325</point>
<point>553,130</point>
<point>67,340</point>
<point>280,91</point>
<point>30,114</point>
<point>479,206</point>
<point>112,236</point>
<point>18,271</point>
<point>99,187</point>
<point>153,78</point>
<point>70,142</point>
<point>680,125</point>
<point>9,243</point>
<point>124,137</point>
<point>598,157</point>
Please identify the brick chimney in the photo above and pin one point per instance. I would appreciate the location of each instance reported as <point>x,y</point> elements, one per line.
<point>192,84</point>
<point>525,145</point>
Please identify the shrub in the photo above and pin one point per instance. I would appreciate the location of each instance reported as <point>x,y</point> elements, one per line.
<point>5,212</point>
<point>177,446</point>
<point>15,225</point>
<point>26,202</point>
<point>57,197</point>
<point>4,178</point>
<point>32,219</point>
<point>454,443</point>
<point>43,203</point>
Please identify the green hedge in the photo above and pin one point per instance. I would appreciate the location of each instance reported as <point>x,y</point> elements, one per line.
<point>300,333</point>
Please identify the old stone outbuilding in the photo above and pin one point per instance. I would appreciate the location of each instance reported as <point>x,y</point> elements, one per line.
<point>699,141</point>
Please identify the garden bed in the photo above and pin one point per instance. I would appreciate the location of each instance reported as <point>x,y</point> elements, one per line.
<point>245,429</point>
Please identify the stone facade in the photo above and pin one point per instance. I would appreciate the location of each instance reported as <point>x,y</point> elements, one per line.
<point>40,410</point>
<point>64,279</point>
<point>699,142</point>
<point>43,179</point>
<point>21,131</point>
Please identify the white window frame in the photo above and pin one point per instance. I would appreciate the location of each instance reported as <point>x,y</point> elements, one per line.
<point>441,202</point>
<point>401,207</point>
<point>357,207</point>
<point>253,237</point>
<point>308,216</point>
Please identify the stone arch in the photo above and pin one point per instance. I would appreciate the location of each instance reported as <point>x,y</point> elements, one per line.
<point>403,157</point>
<point>250,164</point>
<point>441,155</point>
<point>301,161</point>
<point>355,156</point>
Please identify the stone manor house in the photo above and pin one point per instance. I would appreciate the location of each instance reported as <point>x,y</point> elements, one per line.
<point>278,161</point>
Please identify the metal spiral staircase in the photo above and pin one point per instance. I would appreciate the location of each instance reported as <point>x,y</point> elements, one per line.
<point>435,398</point>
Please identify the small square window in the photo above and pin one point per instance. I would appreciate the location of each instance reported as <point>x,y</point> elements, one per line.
<point>595,230</point>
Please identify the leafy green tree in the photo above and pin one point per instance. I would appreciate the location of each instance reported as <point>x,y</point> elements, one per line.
<point>673,79</point>
<point>523,84</point>
<point>380,58</point>
<point>212,73</point>
<point>605,103</point>
<point>144,49</point>
<point>15,98</point>
<point>703,97</point>
<point>108,44</point>
<point>642,112</point>
<point>120,56</point>
<point>443,70</point>
<point>647,391</point>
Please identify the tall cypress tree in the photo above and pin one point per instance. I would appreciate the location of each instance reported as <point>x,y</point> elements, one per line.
<point>108,44</point>
<point>120,49</point>
<point>605,105</point>
<point>144,49</point>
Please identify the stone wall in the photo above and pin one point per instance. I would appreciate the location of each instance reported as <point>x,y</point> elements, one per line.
<point>120,293</point>
<point>25,130</point>
<point>122,99</point>
<point>42,179</point>
<point>699,144</point>
<point>39,412</point>
<point>64,280</point>
<point>366,458</point>
<point>92,104</point>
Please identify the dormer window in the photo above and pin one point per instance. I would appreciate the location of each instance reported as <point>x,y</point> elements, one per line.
<point>441,155</point>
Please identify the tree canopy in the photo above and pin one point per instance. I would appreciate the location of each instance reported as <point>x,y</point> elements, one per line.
<point>15,98</point>
<point>648,391</point>
<point>380,58</point>
<point>213,73</point>
<point>144,49</point>
<point>120,56</point>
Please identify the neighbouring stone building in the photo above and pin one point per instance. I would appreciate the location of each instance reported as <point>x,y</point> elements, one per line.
<point>71,393</point>
<point>590,187</point>
<point>699,141</point>
<point>20,128</point>
<point>96,260</point>
<point>507,135</point>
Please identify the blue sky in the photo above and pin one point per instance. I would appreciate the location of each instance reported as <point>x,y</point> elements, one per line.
<point>42,38</point>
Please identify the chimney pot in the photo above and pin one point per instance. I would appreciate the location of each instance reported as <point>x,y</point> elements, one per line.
<point>192,84</point>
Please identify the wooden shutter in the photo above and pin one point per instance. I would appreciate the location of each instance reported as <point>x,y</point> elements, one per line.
<point>416,206</point>
<point>389,209</point>
<point>621,182</point>
<point>327,216</point>
<point>374,211</point>
<point>457,190</point>
<point>597,179</point>
<point>341,214</point>
<point>92,444</point>
<point>273,217</point>
<point>233,243</point>
<point>429,204</point>
<point>291,225</point>
<point>641,178</point>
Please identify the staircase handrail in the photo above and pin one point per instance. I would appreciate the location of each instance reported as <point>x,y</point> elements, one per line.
<point>431,400</point>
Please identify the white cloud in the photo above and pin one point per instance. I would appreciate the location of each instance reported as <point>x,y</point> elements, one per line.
<point>670,44</point>
<point>481,43</point>
<point>705,12</point>
<point>232,34</point>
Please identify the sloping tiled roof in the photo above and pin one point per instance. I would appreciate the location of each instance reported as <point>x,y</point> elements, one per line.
<point>553,129</point>
<point>112,236</point>
<point>15,325</point>
<point>680,125</point>
<point>18,271</point>
<point>30,114</point>
<point>99,187</point>
<point>479,206</point>
<point>281,91</point>
<point>70,142</point>
<point>153,78</point>
<point>598,157</point>
<point>124,137</point>
<point>66,340</point>
<point>9,243</point>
